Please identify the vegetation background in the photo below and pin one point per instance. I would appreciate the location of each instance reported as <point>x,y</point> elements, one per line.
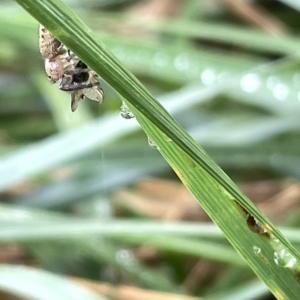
<point>108,211</point>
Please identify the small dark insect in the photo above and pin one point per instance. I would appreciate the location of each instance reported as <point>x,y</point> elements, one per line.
<point>72,74</point>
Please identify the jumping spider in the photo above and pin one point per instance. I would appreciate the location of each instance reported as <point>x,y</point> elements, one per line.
<point>72,74</point>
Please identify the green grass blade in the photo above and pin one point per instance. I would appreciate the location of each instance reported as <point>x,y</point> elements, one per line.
<point>249,291</point>
<point>252,39</point>
<point>36,284</point>
<point>259,251</point>
<point>291,3</point>
<point>66,26</point>
<point>12,221</point>
<point>273,259</point>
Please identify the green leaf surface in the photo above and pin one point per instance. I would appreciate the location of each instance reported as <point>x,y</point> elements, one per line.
<point>271,257</point>
<point>18,224</point>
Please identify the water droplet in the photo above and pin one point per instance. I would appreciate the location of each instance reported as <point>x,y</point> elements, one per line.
<point>256,250</point>
<point>152,144</point>
<point>280,91</point>
<point>296,79</point>
<point>298,96</point>
<point>160,59</point>
<point>125,112</point>
<point>284,258</point>
<point>250,83</point>
<point>181,62</point>
<point>125,257</point>
<point>271,82</point>
<point>208,76</point>
<point>166,138</point>
<point>223,77</point>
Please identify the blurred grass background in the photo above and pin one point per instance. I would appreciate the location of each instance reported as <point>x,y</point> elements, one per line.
<point>84,196</point>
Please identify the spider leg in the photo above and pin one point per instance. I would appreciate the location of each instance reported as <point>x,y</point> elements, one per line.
<point>75,86</point>
<point>65,83</point>
<point>70,57</point>
<point>75,98</point>
<point>75,71</point>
